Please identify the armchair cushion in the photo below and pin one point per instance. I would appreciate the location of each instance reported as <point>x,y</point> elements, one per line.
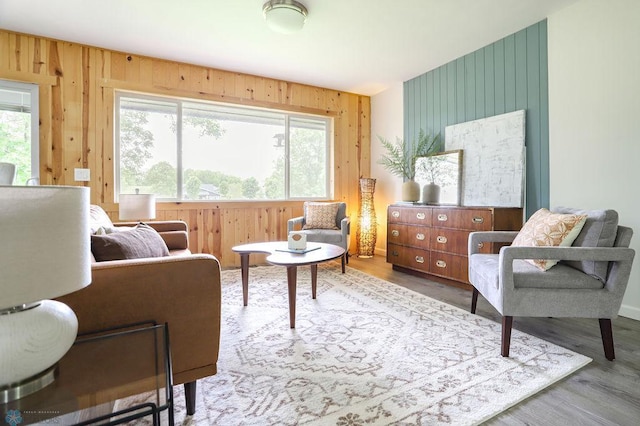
<point>140,242</point>
<point>320,215</point>
<point>598,231</point>
<point>549,229</point>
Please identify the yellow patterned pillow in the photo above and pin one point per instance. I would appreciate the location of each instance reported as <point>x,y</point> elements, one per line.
<point>320,215</point>
<point>549,229</point>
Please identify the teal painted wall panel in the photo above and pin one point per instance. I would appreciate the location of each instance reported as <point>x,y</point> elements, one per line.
<point>508,75</point>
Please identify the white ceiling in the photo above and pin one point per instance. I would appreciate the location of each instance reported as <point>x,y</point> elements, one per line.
<point>359,46</point>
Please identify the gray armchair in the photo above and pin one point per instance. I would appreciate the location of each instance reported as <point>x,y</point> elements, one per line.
<point>572,288</point>
<point>338,237</point>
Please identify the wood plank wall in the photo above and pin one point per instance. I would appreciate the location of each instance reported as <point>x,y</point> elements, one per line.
<point>77,86</point>
<point>505,76</point>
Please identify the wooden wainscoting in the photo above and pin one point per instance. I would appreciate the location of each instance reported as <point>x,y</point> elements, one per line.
<point>216,227</point>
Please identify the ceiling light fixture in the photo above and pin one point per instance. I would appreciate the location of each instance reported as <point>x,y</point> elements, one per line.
<point>284,16</point>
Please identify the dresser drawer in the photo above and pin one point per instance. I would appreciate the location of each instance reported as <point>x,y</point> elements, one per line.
<point>408,257</point>
<point>410,215</point>
<point>471,219</point>
<point>450,266</point>
<point>408,235</point>
<point>453,241</point>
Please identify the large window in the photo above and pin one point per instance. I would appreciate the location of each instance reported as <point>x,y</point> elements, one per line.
<point>192,150</point>
<point>19,129</point>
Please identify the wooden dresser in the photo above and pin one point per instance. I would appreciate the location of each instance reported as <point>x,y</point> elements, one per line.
<point>432,240</point>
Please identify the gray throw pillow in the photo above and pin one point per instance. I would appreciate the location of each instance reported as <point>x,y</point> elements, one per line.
<point>139,242</point>
<point>599,230</point>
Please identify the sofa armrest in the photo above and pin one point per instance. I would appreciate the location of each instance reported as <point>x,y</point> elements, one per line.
<point>182,291</point>
<point>291,223</point>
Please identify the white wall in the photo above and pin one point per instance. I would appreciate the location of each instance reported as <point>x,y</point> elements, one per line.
<point>594,115</point>
<point>387,122</point>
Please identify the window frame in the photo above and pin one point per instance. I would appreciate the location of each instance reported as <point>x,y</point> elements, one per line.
<point>180,101</point>
<point>34,90</point>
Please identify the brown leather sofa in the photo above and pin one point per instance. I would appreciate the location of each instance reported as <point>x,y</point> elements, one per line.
<point>182,290</point>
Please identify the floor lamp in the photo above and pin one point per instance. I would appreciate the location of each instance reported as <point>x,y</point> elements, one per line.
<point>367,225</point>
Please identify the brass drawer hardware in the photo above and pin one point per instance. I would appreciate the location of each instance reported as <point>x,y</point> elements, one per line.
<point>441,264</point>
<point>442,217</point>
<point>419,259</point>
<point>441,239</point>
<point>420,236</point>
<point>395,233</point>
<point>477,219</point>
<point>395,213</point>
<point>420,216</point>
<point>395,253</point>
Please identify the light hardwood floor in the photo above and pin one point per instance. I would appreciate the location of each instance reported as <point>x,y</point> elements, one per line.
<point>601,393</point>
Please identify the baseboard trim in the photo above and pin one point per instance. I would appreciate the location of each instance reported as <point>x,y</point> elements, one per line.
<point>630,312</point>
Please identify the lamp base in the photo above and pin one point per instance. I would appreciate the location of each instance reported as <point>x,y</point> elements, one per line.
<point>32,340</point>
<point>28,386</point>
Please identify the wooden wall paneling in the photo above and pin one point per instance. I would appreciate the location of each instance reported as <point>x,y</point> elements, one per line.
<point>77,92</point>
<point>499,76</point>
<point>470,87</point>
<point>72,110</point>
<point>107,152</point>
<point>4,52</point>
<point>489,81</point>
<point>46,144</point>
<point>479,83</point>
<point>508,75</point>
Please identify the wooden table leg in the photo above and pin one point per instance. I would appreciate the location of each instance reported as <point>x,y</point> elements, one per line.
<point>244,266</point>
<point>314,280</point>
<point>291,283</point>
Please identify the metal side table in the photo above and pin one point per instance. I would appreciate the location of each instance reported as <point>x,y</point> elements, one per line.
<point>98,370</point>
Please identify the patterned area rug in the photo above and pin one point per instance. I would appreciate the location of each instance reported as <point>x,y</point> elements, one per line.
<point>365,352</point>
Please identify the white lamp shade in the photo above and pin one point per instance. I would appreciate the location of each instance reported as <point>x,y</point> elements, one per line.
<point>137,206</point>
<point>285,16</point>
<point>45,249</point>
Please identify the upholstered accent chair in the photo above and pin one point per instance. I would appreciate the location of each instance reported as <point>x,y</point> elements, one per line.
<point>325,223</point>
<point>589,280</point>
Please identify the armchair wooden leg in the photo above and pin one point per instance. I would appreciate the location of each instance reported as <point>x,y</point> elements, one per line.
<point>607,338</point>
<point>507,322</point>
<point>343,260</point>
<point>190,397</point>
<point>347,256</point>
<point>474,300</point>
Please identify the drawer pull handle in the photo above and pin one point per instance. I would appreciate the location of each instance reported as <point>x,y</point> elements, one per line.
<point>395,253</point>
<point>480,245</point>
<point>441,239</point>
<point>477,219</point>
<point>419,259</point>
<point>420,216</point>
<point>395,214</point>
<point>442,217</point>
<point>441,264</point>
<point>395,233</point>
<point>420,236</point>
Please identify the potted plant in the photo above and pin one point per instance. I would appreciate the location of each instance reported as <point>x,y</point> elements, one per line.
<point>400,160</point>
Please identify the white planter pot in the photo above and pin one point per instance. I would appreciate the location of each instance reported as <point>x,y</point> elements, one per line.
<point>431,193</point>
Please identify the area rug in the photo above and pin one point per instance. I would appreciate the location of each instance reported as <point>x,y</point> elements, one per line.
<point>365,352</point>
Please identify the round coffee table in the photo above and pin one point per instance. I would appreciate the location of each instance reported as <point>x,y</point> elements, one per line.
<point>281,256</point>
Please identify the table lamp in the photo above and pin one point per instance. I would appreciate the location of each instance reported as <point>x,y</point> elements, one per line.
<point>45,253</point>
<point>137,206</point>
